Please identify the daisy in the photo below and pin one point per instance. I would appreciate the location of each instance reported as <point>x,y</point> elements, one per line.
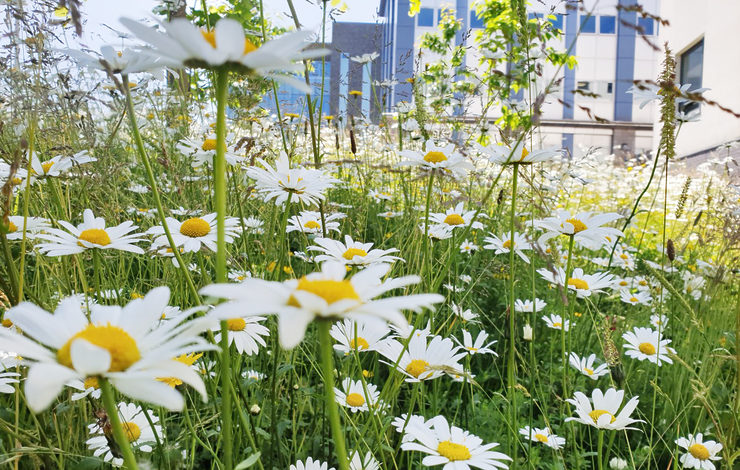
<point>423,359</point>
<point>352,253</point>
<point>194,233</point>
<point>185,45</point>
<point>89,386</point>
<point>504,155</point>
<point>438,231</point>
<point>585,365</point>
<point>659,321</point>
<point>586,228</point>
<point>304,185</point>
<point>309,222</point>
<point>378,196</point>
<point>644,343</point>
<point>455,217</point>
<point>325,295</point>
<point>6,379</point>
<point>310,464</point>
<point>637,298</point>
<point>239,275</point>
<point>34,226</point>
<point>556,322</point>
<point>693,285</point>
<point>528,305</point>
<point>583,284</point>
<point>245,333</point>
<point>467,247</point>
<point>503,244</point>
<point>125,62</point>
<point>127,345</point>
<point>352,395</point>
<point>464,314</point>
<point>253,375</point>
<point>360,337</point>
<point>253,225</point>
<point>90,234</point>
<point>478,346</point>
<point>543,435</point>
<point>700,453</point>
<point>434,157</point>
<point>604,414</point>
<point>452,447</point>
<point>139,431</point>
<point>367,463</point>
<point>188,360</point>
<point>203,152</point>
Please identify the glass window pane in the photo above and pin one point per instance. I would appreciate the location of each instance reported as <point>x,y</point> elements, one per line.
<point>588,24</point>
<point>646,25</point>
<point>425,17</point>
<point>557,22</point>
<point>476,22</point>
<point>607,24</point>
<point>691,66</point>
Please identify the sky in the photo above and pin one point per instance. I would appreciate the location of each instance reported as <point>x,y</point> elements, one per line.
<point>102,15</point>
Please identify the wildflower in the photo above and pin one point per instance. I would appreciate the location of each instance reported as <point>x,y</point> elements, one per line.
<point>360,337</point>
<point>422,360</point>
<point>352,253</point>
<point>693,284</point>
<point>365,58</point>
<point>637,298</point>
<point>527,332</point>
<point>309,222</point>
<point>603,414</point>
<point>556,322</point>
<point>89,386</point>
<point>302,185</point>
<point>246,333</point>
<point>479,346</point>
<point>92,233</point>
<point>585,365</point>
<point>6,379</point>
<point>325,294</point>
<point>434,157</point>
<point>359,463</point>
<point>194,233</point>
<point>452,447</point>
<point>34,226</point>
<point>529,306</point>
<point>127,345</point>
<point>504,244</point>
<point>543,435</point>
<point>203,152</point>
<point>504,155</point>
<point>378,196</point>
<point>617,464</point>
<point>253,375</point>
<point>464,314</point>
<point>467,247</point>
<point>659,321</point>
<point>239,275</point>
<point>138,430</point>
<point>644,343</point>
<point>455,217</point>
<point>310,464</point>
<point>583,284</point>
<point>125,62</point>
<point>353,395</point>
<point>438,231</point>
<point>700,453</point>
<point>586,228</point>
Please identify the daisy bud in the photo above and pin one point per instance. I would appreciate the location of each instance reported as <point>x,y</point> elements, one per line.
<point>670,250</point>
<point>255,409</point>
<point>527,332</point>
<point>617,464</point>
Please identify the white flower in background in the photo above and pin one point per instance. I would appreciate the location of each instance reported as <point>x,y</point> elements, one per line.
<point>239,275</point>
<point>700,453</point>
<point>618,464</point>
<point>467,247</point>
<point>479,346</point>
<point>646,93</point>
<point>360,337</point>
<point>435,157</point>
<point>365,58</point>
<point>527,332</point>
<point>583,284</point>
<point>135,424</point>
<point>246,333</point>
<point>92,233</point>
<point>543,435</point>
<point>455,217</point>
<point>644,343</point>
<point>305,185</point>
<point>7,379</point>
<point>89,386</point>
<point>556,322</point>
<point>309,222</point>
<point>693,285</point>
<point>325,294</point>
<point>529,306</point>
<point>54,167</point>
<point>352,253</point>
<point>602,410</point>
<point>203,152</point>
<point>636,298</point>
<point>357,462</point>
<point>194,233</point>
<point>464,314</point>
<point>253,375</point>
<point>378,196</point>
<point>585,365</point>
<point>310,464</point>
<point>253,225</point>
<point>423,359</point>
<point>125,62</point>
<point>503,155</point>
<point>503,244</point>
<point>438,231</point>
<point>127,345</point>
<point>659,321</point>
<point>354,396</point>
<point>623,259</point>
<point>586,228</point>
<point>34,226</point>
<point>452,447</point>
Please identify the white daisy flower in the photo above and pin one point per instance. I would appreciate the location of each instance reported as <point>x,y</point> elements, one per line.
<point>583,284</point>
<point>325,294</point>
<point>352,395</point>
<point>438,231</point>
<point>423,359</point>
<point>586,228</point>
<point>253,225</point>
<point>239,275</point>
<point>556,322</point>
<point>7,379</point>
<point>360,337</point>
<point>389,214</point>
<point>503,155</point>
<point>452,447</point>
<point>693,285</point>
<point>468,247</point>
<point>455,217</point>
<point>90,234</point>
<point>127,345</point>
<point>253,375</point>
<point>352,253</point>
<point>435,157</point>
<point>305,185</point>
<point>637,298</point>
<point>585,365</point>
<point>659,321</point>
<point>464,314</point>
<point>529,306</point>
<point>479,346</point>
<point>543,435</point>
<point>403,422</point>
<point>309,222</point>
<point>125,62</point>
<point>310,464</point>
<point>34,226</point>
<point>202,153</point>
<point>700,453</point>
<point>139,432</point>
<point>89,386</point>
<point>604,413</point>
<point>618,464</point>
<point>245,333</point>
<point>357,462</point>
<point>378,196</point>
<point>194,233</point>
<point>644,343</point>
<point>503,244</point>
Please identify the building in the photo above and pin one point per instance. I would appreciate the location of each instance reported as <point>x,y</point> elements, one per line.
<point>704,40</point>
<point>613,49</point>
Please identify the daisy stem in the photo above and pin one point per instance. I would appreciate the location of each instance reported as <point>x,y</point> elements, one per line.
<point>327,366</point>
<point>426,219</point>
<point>568,269</point>
<point>600,456</point>
<point>511,366</point>
<point>118,432</point>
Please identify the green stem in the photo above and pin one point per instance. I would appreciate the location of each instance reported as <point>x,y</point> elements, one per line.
<point>327,368</point>
<point>118,433</point>
<point>511,366</point>
<point>568,269</point>
<point>600,456</point>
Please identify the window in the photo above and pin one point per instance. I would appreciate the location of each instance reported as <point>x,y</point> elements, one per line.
<point>645,26</point>
<point>583,86</point>
<point>557,21</point>
<point>588,24</point>
<point>534,15</point>
<point>425,17</point>
<point>476,22</point>
<point>691,72</point>
<point>610,88</point>
<point>607,24</point>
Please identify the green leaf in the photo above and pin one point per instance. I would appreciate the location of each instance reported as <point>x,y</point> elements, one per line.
<point>248,462</point>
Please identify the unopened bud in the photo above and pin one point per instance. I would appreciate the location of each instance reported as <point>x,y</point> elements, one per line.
<point>528,332</point>
<point>255,409</point>
<point>670,250</point>
<point>617,464</point>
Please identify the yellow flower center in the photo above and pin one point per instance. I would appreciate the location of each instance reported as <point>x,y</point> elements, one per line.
<point>122,347</point>
<point>7,323</point>
<point>352,252</point>
<point>472,349</point>
<point>541,437</point>
<point>507,244</point>
<point>236,324</point>
<point>209,144</point>
<point>359,343</point>
<point>96,236</point>
<point>133,432</point>
<point>633,299</point>
<point>312,224</point>
<point>195,227</point>
<point>187,359</point>
<point>46,166</point>
<point>596,414</point>
<point>210,37</point>
<point>623,256</point>
<point>525,152</point>
<point>622,283</point>
<point>91,382</point>
<point>578,226</point>
<point>435,157</point>
<point>578,283</point>
<point>453,452</point>
<point>417,367</point>
<point>588,371</point>
<point>647,348</point>
<point>557,324</point>
<point>355,93</point>
<point>12,227</point>
<point>699,451</point>
<point>454,219</point>
<point>355,399</point>
<point>329,290</point>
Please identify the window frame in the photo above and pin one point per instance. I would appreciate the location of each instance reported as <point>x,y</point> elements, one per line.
<point>687,107</point>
